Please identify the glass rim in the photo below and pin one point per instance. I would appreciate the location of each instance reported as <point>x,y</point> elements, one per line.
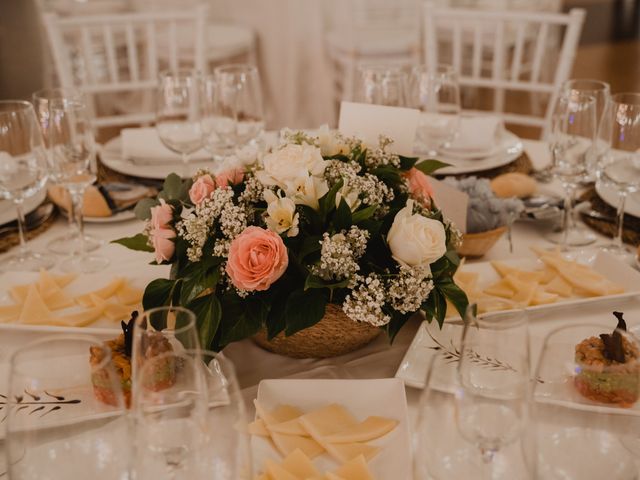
<point>626,98</point>
<point>57,93</point>
<point>235,68</point>
<point>88,339</point>
<point>576,96</point>
<point>440,69</point>
<point>573,84</point>
<point>388,70</point>
<point>192,316</point>
<point>598,326</point>
<point>19,106</point>
<point>182,73</point>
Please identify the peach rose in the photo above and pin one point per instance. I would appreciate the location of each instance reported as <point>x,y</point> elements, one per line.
<point>419,186</point>
<point>201,189</point>
<point>257,258</point>
<point>161,215</point>
<point>164,247</point>
<point>228,177</point>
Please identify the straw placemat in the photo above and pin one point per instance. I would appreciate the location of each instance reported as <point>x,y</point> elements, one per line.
<point>12,239</point>
<point>522,164</point>
<point>631,230</point>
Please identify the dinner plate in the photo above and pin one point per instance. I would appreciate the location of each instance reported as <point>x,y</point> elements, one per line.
<point>508,149</point>
<point>122,216</point>
<point>610,196</point>
<point>362,398</point>
<point>8,208</point>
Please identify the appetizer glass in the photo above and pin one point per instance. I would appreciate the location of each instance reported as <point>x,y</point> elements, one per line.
<point>69,242</point>
<point>382,85</point>
<point>56,424</point>
<point>587,422</point>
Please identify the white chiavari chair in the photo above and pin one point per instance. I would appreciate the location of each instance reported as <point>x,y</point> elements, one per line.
<point>122,54</point>
<point>505,51</point>
<point>372,32</point>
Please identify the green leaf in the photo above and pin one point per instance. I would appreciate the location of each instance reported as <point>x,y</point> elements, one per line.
<point>138,242</point>
<point>389,175</point>
<point>311,217</point>
<point>455,295</point>
<point>309,245</point>
<point>158,293</point>
<point>395,325</point>
<point>406,163</point>
<point>363,214</point>
<point>429,166</point>
<point>435,306</point>
<point>172,187</point>
<point>241,318</point>
<point>142,209</point>
<point>195,284</point>
<point>304,309</point>
<point>328,201</point>
<point>342,219</point>
<point>208,315</point>
<point>313,281</point>
<point>275,320</point>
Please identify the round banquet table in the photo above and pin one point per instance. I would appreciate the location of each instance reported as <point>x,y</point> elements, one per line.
<point>377,360</point>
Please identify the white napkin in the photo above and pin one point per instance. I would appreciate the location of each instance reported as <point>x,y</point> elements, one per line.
<point>144,146</point>
<point>477,136</point>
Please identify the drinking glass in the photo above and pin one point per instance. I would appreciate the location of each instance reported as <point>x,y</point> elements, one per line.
<point>178,113</point>
<point>23,173</point>
<point>436,93</point>
<point>72,148</point>
<point>69,242</point>
<point>493,397</point>
<point>572,144</point>
<point>586,424</point>
<point>381,85</point>
<point>57,424</point>
<point>619,167</point>
<point>234,116</point>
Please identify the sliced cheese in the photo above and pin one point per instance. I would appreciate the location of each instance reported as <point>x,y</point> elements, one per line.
<point>105,292</point>
<point>355,469</point>
<point>559,286</point>
<point>524,291</point>
<point>488,303</point>
<point>502,288</point>
<point>258,428</point>
<point>289,443</point>
<point>344,452</point>
<point>328,420</point>
<point>78,319</point>
<point>290,427</point>
<point>129,295</point>
<point>281,414</point>
<point>540,297</point>
<point>276,472</point>
<point>298,464</point>
<point>34,311</point>
<point>116,312</point>
<point>10,313</point>
<point>65,279</point>
<point>19,292</point>
<point>332,476</point>
<point>370,429</point>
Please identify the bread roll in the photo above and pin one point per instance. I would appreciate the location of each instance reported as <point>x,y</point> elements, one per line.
<point>95,205</point>
<point>514,184</point>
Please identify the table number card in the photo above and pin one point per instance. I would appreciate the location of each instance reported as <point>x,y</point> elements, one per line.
<point>452,202</point>
<point>368,122</point>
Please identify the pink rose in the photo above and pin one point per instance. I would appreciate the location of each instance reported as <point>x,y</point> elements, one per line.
<point>161,238</point>
<point>257,258</point>
<point>228,177</point>
<point>161,215</point>
<point>419,186</point>
<point>201,189</point>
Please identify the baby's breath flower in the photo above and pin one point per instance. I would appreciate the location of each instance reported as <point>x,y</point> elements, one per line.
<point>409,289</point>
<point>365,302</point>
<point>340,253</point>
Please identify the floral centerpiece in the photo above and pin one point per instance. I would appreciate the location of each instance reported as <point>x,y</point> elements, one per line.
<point>320,223</point>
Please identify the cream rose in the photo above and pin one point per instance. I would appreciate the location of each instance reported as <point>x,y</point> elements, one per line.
<point>350,195</point>
<point>415,240</point>
<point>307,190</point>
<point>330,143</point>
<point>281,214</point>
<point>290,164</point>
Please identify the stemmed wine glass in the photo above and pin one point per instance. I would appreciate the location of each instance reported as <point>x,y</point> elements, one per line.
<point>178,113</point>
<point>70,242</point>
<point>23,173</point>
<point>234,116</point>
<point>381,85</point>
<point>436,93</point>
<point>492,401</point>
<point>619,167</point>
<point>65,412</point>
<point>572,145</point>
<point>72,149</point>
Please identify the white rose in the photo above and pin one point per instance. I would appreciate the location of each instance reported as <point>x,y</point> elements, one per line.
<point>350,195</point>
<point>330,143</point>
<point>281,214</point>
<point>415,240</point>
<point>306,190</point>
<point>290,164</point>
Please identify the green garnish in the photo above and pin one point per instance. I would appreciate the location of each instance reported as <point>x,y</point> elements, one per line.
<point>613,348</point>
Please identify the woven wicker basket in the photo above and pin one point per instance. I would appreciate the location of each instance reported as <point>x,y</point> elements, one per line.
<point>477,244</point>
<point>336,334</point>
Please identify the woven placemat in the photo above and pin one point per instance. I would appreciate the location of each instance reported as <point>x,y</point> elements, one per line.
<point>522,164</point>
<point>105,174</point>
<point>12,239</point>
<point>631,231</point>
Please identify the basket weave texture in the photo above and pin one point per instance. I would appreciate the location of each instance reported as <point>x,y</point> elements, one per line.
<point>477,244</point>
<point>336,334</point>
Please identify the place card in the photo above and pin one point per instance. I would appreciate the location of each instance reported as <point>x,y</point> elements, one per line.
<point>452,202</point>
<point>368,122</point>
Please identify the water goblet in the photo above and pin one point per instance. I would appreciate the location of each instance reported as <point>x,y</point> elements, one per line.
<point>381,85</point>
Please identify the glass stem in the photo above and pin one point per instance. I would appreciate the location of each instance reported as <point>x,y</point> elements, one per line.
<point>21,227</point>
<point>617,240</point>
<point>487,455</point>
<point>185,165</point>
<point>568,214</point>
<point>77,196</point>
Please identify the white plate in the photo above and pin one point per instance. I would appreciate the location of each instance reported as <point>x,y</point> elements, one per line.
<point>362,398</point>
<point>610,196</point>
<point>8,208</point>
<point>122,216</point>
<point>509,148</point>
<point>84,283</point>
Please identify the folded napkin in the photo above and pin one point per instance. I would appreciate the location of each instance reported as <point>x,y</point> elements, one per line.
<point>477,136</point>
<point>143,145</point>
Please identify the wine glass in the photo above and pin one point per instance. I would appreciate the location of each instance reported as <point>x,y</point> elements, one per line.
<point>178,113</point>
<point>492,399</point>
<point>23,174</point>
<point>381,85</point>
<point>572,144</point>
<point>436,93</point>
<point>586,426</point>
<point>66,412</point>
<point>69,242</point>
<point>619,167</point>
<point>234,116</point>
<point>72,148</point>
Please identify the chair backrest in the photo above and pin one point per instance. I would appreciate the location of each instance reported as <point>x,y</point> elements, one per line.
<point>506,51</point>
<point>118,53</point>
